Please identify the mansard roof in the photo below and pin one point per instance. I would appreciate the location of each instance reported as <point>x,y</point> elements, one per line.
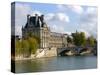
<point>35,21</point>
<point>32,19</point>
<point>26,25</point>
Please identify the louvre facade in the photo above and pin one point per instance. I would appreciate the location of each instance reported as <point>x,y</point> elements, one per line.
<point>38,27</point>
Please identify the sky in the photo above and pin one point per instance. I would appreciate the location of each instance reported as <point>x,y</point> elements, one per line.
<point>60,18</point>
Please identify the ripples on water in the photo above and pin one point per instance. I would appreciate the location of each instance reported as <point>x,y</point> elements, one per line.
<point>56,64</point>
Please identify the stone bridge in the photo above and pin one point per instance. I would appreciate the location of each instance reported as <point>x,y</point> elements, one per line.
<point>60,50</point>
<point>72,49</point>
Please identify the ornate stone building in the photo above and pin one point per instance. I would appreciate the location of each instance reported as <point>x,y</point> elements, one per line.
<point>38,27</point>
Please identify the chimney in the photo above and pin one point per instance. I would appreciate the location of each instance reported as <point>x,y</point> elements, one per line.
<point>42,16</point>
<point>36,20</point>
<point>28,16</point>
<point>36,15</point>
<point>42,20</point>
<point>28,19</point>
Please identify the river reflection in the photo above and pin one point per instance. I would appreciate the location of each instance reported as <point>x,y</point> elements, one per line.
<point>56,64</point>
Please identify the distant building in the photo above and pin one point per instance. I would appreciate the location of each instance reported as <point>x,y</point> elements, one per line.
<point>38,27</point>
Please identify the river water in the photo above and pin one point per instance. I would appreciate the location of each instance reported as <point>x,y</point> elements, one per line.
<point>56,64</point>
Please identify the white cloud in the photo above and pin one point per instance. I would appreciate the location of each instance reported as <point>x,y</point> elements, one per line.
<point>74,8</point>
<point>91,10</point>
<point>57,21</point>
<point>49,16</point>
<point>62,7</point>
<point>88,21</point>
<point>62,17</point>
<point>21,11</point>
<point>88,18</point>
<point>60,29</point>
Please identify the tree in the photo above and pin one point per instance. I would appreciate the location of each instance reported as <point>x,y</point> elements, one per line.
<point>79,38</point>
<point>69,39</point>
<point>37,38</point>
<point>18,47</point>
<point>33,45</point>
<point>25,47</point>
<point>75,38</point>
<point>30,35</point>
<point>91,41</point>
<point>82,38</point>
<point>34,42</point>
